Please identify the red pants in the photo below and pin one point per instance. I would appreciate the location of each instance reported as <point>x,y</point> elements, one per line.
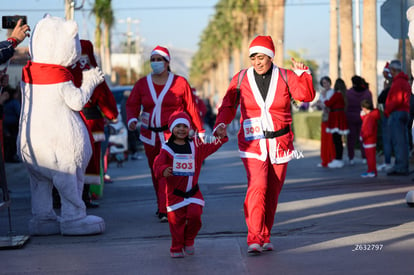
<point>371,155</point>
<point>327,146</point>
<point>264,183</point>
<point>185,222</point>
<point>160,185</point>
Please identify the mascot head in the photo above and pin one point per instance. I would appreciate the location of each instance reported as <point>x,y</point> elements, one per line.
<point>55,41</point>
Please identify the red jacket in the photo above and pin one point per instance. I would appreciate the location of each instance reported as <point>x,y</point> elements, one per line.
<point>158,107</point>
<point>398,98</point>
<point>273,114</point>
<point>337,122</point>
<point>369,128</point>
<point>200,151</point>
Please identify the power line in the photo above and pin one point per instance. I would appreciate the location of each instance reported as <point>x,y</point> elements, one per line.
<point>149,8</point>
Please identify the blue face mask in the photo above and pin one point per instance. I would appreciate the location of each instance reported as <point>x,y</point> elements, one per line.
<point>157,67</point>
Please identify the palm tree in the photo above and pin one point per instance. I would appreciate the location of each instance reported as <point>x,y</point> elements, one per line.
<point>97,10</point>
<point>278,28</point>
<point>102,10</point>
<point>333,42</point>
<point>108,22</point>
<point>346,40</point>
<point>369,45</point>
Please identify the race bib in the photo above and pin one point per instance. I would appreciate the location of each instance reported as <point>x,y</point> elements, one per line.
<point>183,165</point>
<point>253,129</point>
<point>145,119</point>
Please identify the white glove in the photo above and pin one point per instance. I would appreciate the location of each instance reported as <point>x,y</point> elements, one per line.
<point>92,78</point>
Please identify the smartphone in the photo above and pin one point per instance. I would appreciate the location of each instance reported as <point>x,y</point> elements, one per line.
<point>9,22</point>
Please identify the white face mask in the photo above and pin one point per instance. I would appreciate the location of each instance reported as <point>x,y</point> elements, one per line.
<point>157,67</point>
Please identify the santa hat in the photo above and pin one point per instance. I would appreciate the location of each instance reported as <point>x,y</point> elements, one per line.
<point>161,51</point>
<point>87,49</point>
<point>262,44</point>
<point>178,118</point>
<point>387,67</point>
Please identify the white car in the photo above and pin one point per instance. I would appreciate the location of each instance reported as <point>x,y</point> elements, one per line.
<point>118,132</point>
<point>118,137</point>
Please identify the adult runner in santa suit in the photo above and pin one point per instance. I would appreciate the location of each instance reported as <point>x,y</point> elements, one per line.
<point>100,107</point>
<point>160,94</point>
<point>265,138</point>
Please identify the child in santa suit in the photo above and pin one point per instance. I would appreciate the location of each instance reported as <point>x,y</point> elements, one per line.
<point>180,162</point>
<point>368,136</point>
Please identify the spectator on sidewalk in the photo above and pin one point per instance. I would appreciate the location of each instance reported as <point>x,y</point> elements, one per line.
<point>370,117</point>
<point>327,145</point>
<point>397,108</point>
<point>354,97</point>
<point>385,131</point>
<point>7,48</point>
<point>11,109</point>
<point>337,125</point>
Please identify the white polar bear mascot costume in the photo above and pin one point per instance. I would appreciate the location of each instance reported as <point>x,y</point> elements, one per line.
<point>53,140</point>
<point>410,17</point>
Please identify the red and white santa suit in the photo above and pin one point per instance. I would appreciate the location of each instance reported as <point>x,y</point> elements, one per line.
<point>368,137</point>
<point>327,146</point>
<point>184,199</point>
<point>337,119</point>
<point>101,105</point>
<point>265,138</point>
<point>154,104</point>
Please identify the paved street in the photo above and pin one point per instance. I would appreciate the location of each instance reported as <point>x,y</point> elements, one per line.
<point>329,221</point>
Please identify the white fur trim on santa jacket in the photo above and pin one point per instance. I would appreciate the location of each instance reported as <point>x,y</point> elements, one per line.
<point>272,114</point>
<point>176,95</point>
<point>199,151</point>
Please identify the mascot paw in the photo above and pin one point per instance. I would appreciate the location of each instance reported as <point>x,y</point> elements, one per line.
<point>44,227</point>
<point>94,76</point>
<point>89,225</point>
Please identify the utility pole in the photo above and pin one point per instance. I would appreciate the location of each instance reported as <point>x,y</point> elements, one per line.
<point>70,7</point>
<point>129,34</point>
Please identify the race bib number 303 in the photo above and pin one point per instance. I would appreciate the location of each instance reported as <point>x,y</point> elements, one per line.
<point>253,129</point>
<point>183,165</point>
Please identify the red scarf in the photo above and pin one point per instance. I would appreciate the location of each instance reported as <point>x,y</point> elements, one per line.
<point>42,74</point>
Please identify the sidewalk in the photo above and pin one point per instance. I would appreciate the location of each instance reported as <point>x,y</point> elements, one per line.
<point>329,221</point>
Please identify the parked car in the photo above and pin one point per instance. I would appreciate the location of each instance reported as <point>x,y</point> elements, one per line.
<point>118,138</point>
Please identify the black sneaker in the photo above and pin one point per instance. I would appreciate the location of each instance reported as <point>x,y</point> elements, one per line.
<point>91,204</point>
<point>163,217</point>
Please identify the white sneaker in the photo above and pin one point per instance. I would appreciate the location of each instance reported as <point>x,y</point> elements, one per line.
<point>384,167</point>
<point>381,167</point>
<point>351,162</point>
<point>268,247</point>
<point>177,254</point>
<point>254,249</point>
<point>336,164</point>
<point>189,250</point>
<point>368,175</point>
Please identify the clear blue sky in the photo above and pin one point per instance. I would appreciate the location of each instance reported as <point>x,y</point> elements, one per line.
<point>179,23</point>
